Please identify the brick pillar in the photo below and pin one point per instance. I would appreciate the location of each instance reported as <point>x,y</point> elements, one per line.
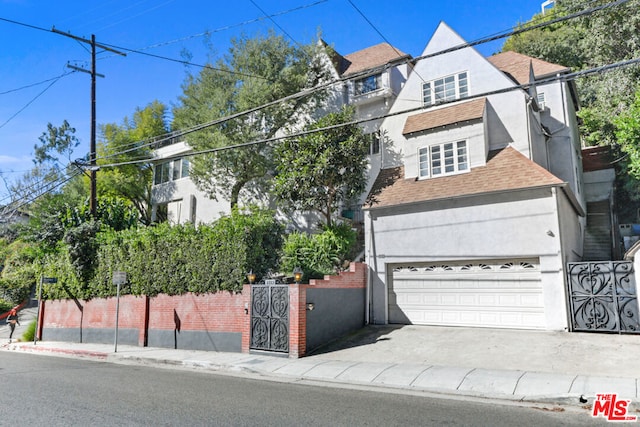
<point>246,320</point>
<point>297,320</point>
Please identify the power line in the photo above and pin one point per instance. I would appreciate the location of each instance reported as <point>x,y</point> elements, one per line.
<point>355,76</point>
<point>36,97</point>
<point>228,27</point>
<point>566,77</point>
<point>35,84</point>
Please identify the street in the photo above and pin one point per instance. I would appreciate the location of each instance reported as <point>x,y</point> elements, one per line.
<point>39,390</point>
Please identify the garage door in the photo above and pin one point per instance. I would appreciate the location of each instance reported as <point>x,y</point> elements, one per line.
<point>496,293</point>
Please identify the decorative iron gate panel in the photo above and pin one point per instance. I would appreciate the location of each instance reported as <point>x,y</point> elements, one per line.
<point>270,317</point>
<point>603,297</point>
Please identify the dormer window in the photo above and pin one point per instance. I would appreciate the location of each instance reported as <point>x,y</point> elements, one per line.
<point>443,159</point>
<point>368,84</point>
<point>447,88</point>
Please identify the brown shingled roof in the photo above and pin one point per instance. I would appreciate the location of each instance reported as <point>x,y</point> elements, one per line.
<point>432,119</point>
<point>372,57</point>
<point>516,65</point>
<point>507,169</point>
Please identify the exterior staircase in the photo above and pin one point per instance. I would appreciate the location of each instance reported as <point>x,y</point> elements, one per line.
<point>598,242</point>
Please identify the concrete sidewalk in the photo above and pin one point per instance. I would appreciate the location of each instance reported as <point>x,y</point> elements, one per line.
<point>530,366</point>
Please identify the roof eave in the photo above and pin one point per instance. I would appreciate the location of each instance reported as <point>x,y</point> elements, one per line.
<point>569,194</point>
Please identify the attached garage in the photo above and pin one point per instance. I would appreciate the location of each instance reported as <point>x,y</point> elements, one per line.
<point>490,293</point>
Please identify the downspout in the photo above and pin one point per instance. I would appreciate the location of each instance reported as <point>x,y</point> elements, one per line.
<point>528,107</point>
<point>367,310</point>
<point>563,262</point>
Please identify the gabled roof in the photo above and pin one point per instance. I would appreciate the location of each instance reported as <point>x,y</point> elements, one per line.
<point>371,57</point>
<point>506,170</point>
<point>459,113</point>
<point>516,65</point>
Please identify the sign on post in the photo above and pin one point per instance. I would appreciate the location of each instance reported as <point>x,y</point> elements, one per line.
<point>119,278</point>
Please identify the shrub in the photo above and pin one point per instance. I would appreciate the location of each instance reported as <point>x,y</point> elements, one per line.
<point>174,259</point>
<point>30,332</point>
<point>318,254</point>
<point>18,273</point>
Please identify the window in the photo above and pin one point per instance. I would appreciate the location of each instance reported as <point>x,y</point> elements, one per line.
<point>368,84</point>
<point>443,159</point>
<point>374,142</point>
<point>445,89</point>
<point>176,169</point>
<point>171,171</point>
<point>185,168</point>
<point>161,173</point>
<point>541,100</point>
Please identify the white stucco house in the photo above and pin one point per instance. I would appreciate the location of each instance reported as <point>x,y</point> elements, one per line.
<point>369,79</point>
<point>479,202</point>
<point>475,200</point>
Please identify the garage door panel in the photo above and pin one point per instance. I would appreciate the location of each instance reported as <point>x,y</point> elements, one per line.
<point>495,293</point>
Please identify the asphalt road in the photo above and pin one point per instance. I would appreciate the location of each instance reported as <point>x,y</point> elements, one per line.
<point>52,391</point>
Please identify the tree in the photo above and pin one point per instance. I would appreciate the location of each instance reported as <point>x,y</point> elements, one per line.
<point>321,170</point>
<point>628,137</point>
<point>255,72</point>
<point>126,142</point>
<point>554,43</point>
<point>52,166</point>
<point>596,39</point>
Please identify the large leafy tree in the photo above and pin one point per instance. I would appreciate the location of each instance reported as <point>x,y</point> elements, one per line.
<point>52,167</point>
<point>321,170</point>
<point>130,142</point>
<point>255,72</point>
<point>597,39</point>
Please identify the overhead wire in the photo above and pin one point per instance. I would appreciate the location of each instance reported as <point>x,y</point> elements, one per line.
<point>304,93</point>
<point>355,76</point>
<point>565,77</point>
<point>36,97</point>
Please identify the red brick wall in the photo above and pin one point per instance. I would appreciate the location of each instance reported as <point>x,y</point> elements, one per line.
<point>218,312</point>
<point>355,277</point>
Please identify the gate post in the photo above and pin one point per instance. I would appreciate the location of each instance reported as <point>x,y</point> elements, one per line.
<point>246,325</point>
<point>298,320</point>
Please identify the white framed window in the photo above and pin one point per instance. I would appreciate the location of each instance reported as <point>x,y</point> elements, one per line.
<point>443,159</point>
<point>368,84</point>
<point>161,174</point>
<point>374,142</point>
<point>541,99</point>
<point>171,171</point>
<point>448,88</point>
<point>184,168</point>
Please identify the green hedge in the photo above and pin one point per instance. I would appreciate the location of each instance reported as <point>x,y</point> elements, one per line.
<point>19,271</point>
<point>318,254</point>
<point>173,259</point>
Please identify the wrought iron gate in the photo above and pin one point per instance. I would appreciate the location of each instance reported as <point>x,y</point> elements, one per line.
<point>603,297</point>
<point>270,316</point>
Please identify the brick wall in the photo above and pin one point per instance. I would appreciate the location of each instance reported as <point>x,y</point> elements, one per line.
<point>219,321</point>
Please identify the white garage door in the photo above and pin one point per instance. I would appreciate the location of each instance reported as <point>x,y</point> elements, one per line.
<point>496,293</point>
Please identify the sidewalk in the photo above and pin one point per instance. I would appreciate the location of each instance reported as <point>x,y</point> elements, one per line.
<point>529,366</point>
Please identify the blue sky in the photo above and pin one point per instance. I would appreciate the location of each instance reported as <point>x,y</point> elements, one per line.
<point>29,56</point>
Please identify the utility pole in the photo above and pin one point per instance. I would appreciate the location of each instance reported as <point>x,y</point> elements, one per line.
<point>93,168</point>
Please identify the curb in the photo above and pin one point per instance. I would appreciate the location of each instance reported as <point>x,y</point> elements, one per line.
<point>59,351</point>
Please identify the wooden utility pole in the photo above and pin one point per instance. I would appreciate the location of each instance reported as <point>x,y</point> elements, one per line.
<point>93,168</point>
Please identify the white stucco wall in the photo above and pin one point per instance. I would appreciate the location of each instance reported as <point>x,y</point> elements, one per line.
<point>598,185</point>
<point>521,224</point>
<point>506,117</point>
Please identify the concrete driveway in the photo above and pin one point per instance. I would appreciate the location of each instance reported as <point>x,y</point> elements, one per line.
<point>573,353</point>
